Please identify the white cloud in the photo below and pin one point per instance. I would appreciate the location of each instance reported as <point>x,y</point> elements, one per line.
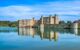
<point>14,11</point>
<point>26,12</point>
<point>19,12</point>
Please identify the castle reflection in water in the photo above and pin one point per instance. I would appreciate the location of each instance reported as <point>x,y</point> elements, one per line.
<point>50,34</point>
<point>43,33</point>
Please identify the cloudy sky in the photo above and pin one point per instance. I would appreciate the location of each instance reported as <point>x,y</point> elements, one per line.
<point>26,9</point>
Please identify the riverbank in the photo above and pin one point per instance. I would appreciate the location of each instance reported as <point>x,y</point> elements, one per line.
<point>8,24</point>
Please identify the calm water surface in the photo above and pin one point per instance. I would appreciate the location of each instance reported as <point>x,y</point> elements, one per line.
<point>39,39</point>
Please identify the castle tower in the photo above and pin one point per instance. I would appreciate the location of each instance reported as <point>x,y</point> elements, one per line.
<point>42,21</point>
<point>56,20</point>
<point>33,20</point>
<point>51,19</point>
<point>75,25</point>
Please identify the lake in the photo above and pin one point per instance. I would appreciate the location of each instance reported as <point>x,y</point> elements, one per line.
<point>39,39</point>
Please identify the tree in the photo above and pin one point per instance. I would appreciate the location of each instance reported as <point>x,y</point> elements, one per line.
<point>69,22</point>
<point>62,22</point>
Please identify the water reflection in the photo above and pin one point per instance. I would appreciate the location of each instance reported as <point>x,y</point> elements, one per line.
<point>26,31</point>
<point>46,33</point>
<point>76,31</point>
<point>51,39</point>
<point>8,29</point>
<point>49,34</point>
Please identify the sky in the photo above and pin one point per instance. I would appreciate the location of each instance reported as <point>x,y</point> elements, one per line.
<point>13,10</point>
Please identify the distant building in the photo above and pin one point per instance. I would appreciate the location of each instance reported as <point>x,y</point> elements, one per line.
<point>49,20</point>
<point>27,23</point>
<point>76,24</point>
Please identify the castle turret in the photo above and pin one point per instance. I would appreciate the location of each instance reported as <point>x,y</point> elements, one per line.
<point>51,19</point>
<point>42,22</point>
<point>56,20</point>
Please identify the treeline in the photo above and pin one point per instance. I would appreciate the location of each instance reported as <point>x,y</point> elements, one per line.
<point>67,24</point>
<point>15,24</point>
<point>9,23</point>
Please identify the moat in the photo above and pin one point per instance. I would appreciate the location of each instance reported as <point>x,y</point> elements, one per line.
<point>39,39</point>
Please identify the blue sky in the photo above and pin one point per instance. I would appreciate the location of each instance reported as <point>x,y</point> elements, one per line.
<point>26,9</point>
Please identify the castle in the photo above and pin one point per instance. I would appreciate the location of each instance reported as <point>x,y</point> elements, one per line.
<point>76,24</point>
<point>27,23</point>
<point>43,20</point>
<point>49,20</point>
